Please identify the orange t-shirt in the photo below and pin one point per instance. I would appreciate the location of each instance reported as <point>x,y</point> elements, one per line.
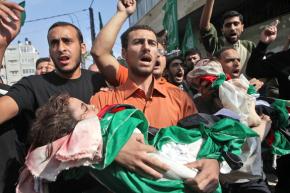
<point>167,105</point>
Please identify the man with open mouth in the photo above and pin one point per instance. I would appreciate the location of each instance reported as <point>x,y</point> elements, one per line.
<point>162,103</point>
<point>175,70</point>
<point>232,28</point>
<point>175,73</point>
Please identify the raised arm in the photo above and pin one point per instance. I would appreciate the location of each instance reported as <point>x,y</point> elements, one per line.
<point>105,40</point>
<point>257,67</point>
<point>204,23</point>
<point>9,24</point>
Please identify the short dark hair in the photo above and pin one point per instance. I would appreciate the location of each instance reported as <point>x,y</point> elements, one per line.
<point>170,59</point>
<point>192,51</point>
<point>53,121</point>
<point>232,13</point>
<point>124,36</point>
<point>39,60</point>
<point>63,23</point>
<point>218,54</point>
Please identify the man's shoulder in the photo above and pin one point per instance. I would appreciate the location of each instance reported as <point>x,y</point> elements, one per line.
<point>173,90</point>
<point>3,89</point>
<point>30,80</point>
<point>248,44</point>
<point>105,94</point>
<point>89,73</point>
<point>95,77</point>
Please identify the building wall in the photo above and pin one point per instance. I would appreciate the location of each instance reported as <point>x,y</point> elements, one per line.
<point>154,16</point>
<point>256,13</point>
<point>19,61</point>
<point>253,32</point>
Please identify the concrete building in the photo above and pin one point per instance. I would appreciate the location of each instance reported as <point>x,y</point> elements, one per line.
<point>19,61</point>
<point>256,14</point>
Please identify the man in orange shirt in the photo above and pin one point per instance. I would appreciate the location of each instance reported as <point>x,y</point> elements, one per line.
<point>162,103</point>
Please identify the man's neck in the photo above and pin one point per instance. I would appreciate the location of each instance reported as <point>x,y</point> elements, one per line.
<point>144,83</point>
<point>75,75</point>
<point>231,43</point>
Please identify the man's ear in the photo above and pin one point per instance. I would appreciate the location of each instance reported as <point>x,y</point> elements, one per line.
<point>222,30</point>
<point>83,48</point>
<point>242,27</point>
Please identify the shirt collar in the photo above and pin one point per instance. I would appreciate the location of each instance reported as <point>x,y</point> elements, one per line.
<point>129,87</point>
<point>235,45</point>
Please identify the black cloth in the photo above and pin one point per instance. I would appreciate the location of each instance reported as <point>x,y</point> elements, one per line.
<point>282,172</point>
<point>275,66</point>
<point>34,91</point>
<point>254,186</point>
<point>9,160</point>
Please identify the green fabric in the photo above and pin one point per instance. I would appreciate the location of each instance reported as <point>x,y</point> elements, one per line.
<point>117,128</point>
<point>189,40</point>
<point>170,24</point>
<point>251,90</point>
<point>281,105</point>
<point>23,14</point>
<point>116,131</point>
<point>219,81</point>
<point>281,145</point>
<point>226,134</point>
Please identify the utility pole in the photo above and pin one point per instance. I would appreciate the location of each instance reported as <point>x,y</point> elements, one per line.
<point>92,24</point>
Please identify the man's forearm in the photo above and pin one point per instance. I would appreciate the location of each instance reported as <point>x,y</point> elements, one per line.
<point>106,38</point>
<point>2,52</point>
<point>206,15</point>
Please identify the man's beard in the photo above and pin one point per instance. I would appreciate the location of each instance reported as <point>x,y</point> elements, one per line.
<point>69,71</point>
<point>140,73</point>
<point>230,40</point>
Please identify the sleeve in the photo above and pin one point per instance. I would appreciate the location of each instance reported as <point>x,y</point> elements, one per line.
<point>210,39</point>
<point>122,74</point>
<point>95,100</point>
<point>189,107</point>
<point>258,67</point>
<point>23,94</point>
<point>249,45</point>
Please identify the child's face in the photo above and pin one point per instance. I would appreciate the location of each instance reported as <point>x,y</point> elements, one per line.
<point>81,110</point>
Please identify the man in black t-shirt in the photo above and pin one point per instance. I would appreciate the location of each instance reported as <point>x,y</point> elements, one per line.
<point>65,47</point>
<point>9,162</point>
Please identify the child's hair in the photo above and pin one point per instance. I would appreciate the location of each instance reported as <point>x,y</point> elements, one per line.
<point>53,121</point>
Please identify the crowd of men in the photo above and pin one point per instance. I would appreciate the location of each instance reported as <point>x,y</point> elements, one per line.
<point>153,82</point>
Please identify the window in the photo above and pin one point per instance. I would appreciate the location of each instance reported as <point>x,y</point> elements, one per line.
<point>14,72</point>
<point>26,49</point>
<point>12,61</point>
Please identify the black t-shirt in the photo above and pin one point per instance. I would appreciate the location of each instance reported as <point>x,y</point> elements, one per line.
<point>33,91</point>
<point>9,161</point>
